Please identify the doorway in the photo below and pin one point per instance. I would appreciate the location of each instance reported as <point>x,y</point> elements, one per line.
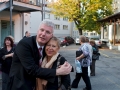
<point>5,30</point>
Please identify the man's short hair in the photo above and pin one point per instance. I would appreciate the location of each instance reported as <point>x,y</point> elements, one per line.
<point>48,22</point>
<point>26,32</point>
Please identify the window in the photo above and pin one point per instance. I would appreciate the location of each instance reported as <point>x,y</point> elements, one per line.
<point>56,17</point>
<point>85,33</point>
<point>65,19</point>
<point>57,27</point>
<point>47,16</point>
<point>94,34</point>
<point>91,33</point>
<point>65,27</point>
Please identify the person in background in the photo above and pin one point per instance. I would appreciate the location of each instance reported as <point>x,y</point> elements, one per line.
<point>27,34</point>
<point>85,62</point>
<point>6,54</point>
<point>27,59</point>
<point>90,52</point>
<point>95,51</point>
<point>51,60</point>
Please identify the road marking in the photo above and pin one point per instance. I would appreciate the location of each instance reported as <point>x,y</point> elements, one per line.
<point>112,81</point>
<point>104,54</point>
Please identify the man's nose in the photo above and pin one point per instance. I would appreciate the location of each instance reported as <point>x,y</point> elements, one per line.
<point>43,33</point>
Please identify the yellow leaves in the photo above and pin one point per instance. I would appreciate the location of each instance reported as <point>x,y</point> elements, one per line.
<point>86,12</point>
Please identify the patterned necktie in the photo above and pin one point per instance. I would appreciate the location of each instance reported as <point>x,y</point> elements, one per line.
<point>40,61</point>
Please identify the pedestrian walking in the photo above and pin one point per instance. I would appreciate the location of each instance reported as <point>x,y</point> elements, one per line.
<point>95,57</point>
<point>84,58</point>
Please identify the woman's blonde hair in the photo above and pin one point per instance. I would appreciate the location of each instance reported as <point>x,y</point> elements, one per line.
<point>57,40</point>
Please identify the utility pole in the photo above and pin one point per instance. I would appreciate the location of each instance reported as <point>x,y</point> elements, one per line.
<point>11,7</point>
<point>42,10</point>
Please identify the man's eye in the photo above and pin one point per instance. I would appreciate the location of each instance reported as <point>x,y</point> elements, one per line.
<point>41,29</point>
<point>48,32</point>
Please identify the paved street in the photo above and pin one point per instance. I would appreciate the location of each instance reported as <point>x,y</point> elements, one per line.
<point>107,69</point>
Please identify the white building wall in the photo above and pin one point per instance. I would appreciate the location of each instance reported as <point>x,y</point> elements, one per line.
<point>17,19</point>
<point>17,27</point>
<point>26,22</point>
<point>35,19</point>
<point>116,6</point>
<point>4,15</point>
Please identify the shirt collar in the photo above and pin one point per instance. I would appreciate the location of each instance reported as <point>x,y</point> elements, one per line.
<point>39,45</point>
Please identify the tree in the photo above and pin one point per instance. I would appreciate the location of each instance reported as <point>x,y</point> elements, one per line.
<point>84,13</point>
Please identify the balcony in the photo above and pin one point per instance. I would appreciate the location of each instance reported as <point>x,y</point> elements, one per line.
<point>22,5</point>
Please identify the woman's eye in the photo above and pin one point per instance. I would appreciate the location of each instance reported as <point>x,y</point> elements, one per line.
<point>48,45</point>
<point>53,46</point>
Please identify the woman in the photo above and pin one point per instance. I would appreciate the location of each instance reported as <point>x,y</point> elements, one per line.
<point>84,58</point>
<point>6,54</point>
<point>53,60</point>
<point>95,52</point>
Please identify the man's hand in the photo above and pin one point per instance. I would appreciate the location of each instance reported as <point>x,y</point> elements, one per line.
<point>64,69</point>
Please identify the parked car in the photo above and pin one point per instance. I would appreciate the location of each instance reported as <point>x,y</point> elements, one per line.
<point>65,41</point>
<point>77,41</point>
<point>69,40</point>
<point>97,40</point>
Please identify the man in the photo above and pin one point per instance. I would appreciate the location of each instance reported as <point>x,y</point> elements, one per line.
<point>27,34</point>
<point>25,66</point>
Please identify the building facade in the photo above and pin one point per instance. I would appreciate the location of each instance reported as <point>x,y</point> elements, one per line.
<point>111,31</point>
<point>20,18</point>
<point>62,26</point>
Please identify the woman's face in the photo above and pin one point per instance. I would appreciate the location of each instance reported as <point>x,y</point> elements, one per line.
<point>7,42</point>
<point>92,44</point>
<point>51,48</point>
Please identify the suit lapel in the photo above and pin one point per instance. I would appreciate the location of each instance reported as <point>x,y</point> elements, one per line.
<point>36,52</point>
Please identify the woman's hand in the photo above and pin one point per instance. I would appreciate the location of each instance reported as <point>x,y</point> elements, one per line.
<point>8,55</point>
<point>78,58</point>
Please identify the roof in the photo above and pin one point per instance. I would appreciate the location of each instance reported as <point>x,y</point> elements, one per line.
<point>113,18</point>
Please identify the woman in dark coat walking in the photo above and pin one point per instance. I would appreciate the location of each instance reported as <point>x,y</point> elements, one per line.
<point>95,53</point>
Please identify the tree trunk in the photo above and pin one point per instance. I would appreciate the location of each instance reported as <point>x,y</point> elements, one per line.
<point>80,31</point>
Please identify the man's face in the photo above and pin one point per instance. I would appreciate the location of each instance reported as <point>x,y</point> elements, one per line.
<point>28,34</point>
<point>44,34</point>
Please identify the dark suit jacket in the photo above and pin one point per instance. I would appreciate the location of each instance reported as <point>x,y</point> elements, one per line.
<point>25,69</point>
